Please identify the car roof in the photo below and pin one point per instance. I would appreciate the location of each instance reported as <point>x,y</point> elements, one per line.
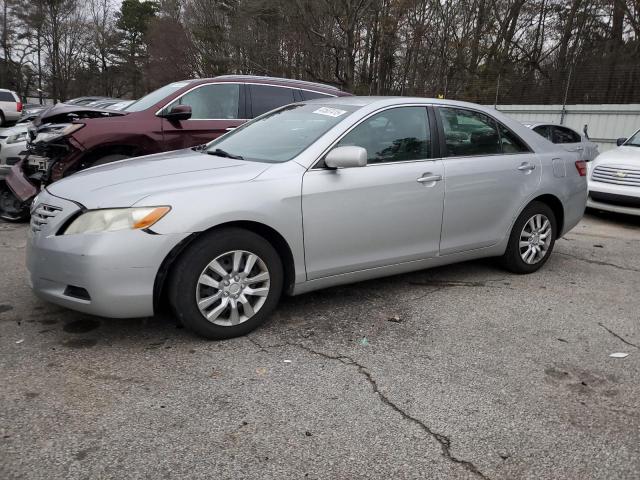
<point>396,100</point>
<point>303,84</point>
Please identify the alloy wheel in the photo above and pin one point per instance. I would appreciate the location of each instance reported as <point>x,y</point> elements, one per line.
<point>232,288</point>
<point>535,239</point>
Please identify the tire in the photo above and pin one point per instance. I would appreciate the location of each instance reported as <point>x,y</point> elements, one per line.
<point>11,208</point>
<point>512,259</point>
<point>3,121</point>
<point>186,289</point>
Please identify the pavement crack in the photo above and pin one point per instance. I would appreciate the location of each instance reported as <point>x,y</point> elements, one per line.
<point>599,262</point>
<point>443,440</point>
<point>618,336</point>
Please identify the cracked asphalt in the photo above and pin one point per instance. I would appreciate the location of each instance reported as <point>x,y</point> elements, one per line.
<point>458,372</point>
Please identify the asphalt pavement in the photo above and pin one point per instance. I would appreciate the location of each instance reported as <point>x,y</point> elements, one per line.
<point>463,371</point>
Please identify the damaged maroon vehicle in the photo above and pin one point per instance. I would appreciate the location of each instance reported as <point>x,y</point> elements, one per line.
<point>65,139</point>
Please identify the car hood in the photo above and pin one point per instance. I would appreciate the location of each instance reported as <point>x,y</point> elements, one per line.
<point>621,156</point>
<point>126,182</point>
<point>66,113</point>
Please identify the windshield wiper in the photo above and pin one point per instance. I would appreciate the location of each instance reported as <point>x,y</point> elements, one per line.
<point>218,152</point>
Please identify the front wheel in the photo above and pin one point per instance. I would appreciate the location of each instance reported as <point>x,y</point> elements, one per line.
<point>226,284</point>
<point>532,239</point>
<point>12,209</point>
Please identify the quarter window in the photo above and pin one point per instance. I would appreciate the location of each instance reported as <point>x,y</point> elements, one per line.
<point>216,101</point>
<point>6,97</point>
<point>395,135</point>
<point>265,98</point>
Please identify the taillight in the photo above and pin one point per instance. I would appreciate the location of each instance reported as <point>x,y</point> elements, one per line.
<point>581,166</point>
<point>19,106</point>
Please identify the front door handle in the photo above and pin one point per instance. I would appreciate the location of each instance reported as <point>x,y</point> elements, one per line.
<point>429,177</point>
<point>526,167</point>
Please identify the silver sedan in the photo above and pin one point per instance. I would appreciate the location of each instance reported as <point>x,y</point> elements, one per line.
<point>307,196</point>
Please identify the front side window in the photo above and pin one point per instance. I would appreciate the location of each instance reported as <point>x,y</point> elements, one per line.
<point>634,141</point>
<point>265,98</point>
<point>283,134</point>
<point>469,133</point>
<point>395,135</point>
<point>565,135</point>
<point>216,101</point>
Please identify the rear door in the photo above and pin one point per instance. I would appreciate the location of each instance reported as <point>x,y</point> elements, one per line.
<point>489,172</point>
<point>216,109</point>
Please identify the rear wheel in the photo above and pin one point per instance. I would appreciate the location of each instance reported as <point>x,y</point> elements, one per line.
<point>532,239</point>
<point>226,284</point>
<point>2,120</point>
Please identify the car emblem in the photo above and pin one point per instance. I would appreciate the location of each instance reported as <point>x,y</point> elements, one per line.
<point>620,174</point>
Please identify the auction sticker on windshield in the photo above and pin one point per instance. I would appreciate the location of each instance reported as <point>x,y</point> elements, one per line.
<point>331,112</point>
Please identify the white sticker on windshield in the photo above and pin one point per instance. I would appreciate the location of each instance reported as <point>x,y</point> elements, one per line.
<point>330,112</point>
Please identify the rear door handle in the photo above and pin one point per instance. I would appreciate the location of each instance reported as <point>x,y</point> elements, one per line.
<point>526,167</point>
<point>428,177</point>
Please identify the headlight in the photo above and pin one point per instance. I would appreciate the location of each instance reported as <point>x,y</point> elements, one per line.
<point>95,221</point>
<point>17,138</point>
<point>53,132</point>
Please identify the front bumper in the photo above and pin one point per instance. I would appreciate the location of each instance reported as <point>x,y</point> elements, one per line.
<point>614,198</point>
<point>108,274</point>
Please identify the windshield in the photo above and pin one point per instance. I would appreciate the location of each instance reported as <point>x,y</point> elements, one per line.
<point>634,141</point>
<point>281,135</point>
<point>154,97</point>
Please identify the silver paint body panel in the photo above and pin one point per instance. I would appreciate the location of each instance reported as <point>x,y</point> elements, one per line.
<point>341,225</point>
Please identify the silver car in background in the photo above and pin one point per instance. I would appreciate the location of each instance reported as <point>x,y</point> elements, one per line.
<point>566,138</point>
<point>307,196</point>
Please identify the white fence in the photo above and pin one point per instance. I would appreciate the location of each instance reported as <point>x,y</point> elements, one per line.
<point>606,123</point>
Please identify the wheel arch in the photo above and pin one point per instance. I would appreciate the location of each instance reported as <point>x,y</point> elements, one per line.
<point>555,205</point>
<point>268,233</point>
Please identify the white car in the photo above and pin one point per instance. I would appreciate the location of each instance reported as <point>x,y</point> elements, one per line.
<point>13,141</point>
<point>567,138</point>
<point>10,107</point>
<point>614,178</point>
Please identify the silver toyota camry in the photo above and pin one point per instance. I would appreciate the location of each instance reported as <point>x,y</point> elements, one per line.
<point>307,196</point>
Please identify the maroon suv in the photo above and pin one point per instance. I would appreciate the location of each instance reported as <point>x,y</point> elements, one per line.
<point>68,138</point>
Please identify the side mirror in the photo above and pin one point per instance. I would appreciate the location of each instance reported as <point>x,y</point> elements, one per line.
<point>178,112</point>
<point>620,141</point>
<point>346,157</point>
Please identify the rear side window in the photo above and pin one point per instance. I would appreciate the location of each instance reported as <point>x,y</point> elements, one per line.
<point>217,101</point>
<point>394,135</point>
<point>510,142</point>
<point>265,98</point>
<point>6,97</point>
<point>469,133</point>
<point>307,95</point>
<point>544,130</point>
<point>565,135</point>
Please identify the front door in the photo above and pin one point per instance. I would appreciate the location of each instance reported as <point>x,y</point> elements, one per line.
<point>216,109</point>
<point>387,212</point>
<point>489,172</point>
